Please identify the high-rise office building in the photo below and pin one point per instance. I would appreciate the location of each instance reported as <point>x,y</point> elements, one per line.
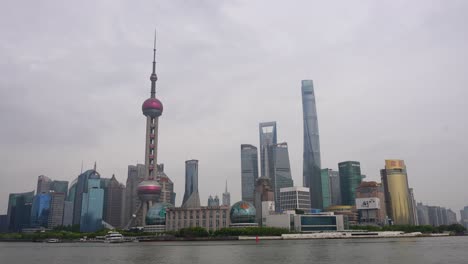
<point>397,196</point>
<point>311,162</point>
<point>3,223</point>
<point>413,208</point>
<point>92,207</point>
<point>370,203</point>
<point>423,214</point>
<point>80,186</point>
<point>19,210</point>
<point>249,171</point>
<point>464,217</point>
<point>113,199</point>
<point>43,184</point>
<point>69,203</point>
<point>149,189</point>
<point>59,187</point>
<point>435,215</point>
<point>136,174</point>
<point>226,197</point>
<point>451,217</point>
<point>191,196</point>
<point>350,179</point>
<point>67,213</point>
<point>48,204</point>
<point>167,186</point>
<point>268,137</point>
<point>281,177</point>
<point>57,205</point>
<point>292,198</point>
<point>40,210</point>
<point>326,188</point>
<point>335,188</point>
<point>444,219</point>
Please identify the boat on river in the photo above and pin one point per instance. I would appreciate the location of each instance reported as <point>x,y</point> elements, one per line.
<point>114,237</point>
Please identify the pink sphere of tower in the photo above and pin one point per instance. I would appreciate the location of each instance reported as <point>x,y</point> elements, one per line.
<point>152,107</point>
<point>149,190</point>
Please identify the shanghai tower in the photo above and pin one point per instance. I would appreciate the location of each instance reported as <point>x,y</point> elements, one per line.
<point>311,163</point>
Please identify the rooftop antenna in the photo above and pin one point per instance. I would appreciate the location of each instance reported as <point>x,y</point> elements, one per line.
<point>154,77</point>
<point>81,167</point>
<point>95,165</point>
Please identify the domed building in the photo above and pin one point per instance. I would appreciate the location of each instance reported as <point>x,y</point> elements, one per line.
<point>242,214</point>
<point>152,107</point>
<point>156,215</point>
<point>149,190</point>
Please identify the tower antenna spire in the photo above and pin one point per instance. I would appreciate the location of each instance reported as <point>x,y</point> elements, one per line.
<point>154,77</point>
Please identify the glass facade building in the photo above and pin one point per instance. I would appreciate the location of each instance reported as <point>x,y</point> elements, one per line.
<point>3,223</point>
<point>334,179</point>
<point>113,201</point>
<point>82,187</point>
<point>350,179</point>
<point>397,196</point>
<point>281,177</point>
<point>40,210</point>
<point>92,207</point>
<point>242,213</point>
<point>191,196</point>
<point>60,187</point>
<point>326,188</point>
<point>19,210</point>
<point>56,213</point>
<point>249,171</point>
<point>268,137</point>
<point>311,162</point>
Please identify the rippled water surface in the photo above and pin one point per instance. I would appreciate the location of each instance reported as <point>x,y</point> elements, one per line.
<point>451,250</point>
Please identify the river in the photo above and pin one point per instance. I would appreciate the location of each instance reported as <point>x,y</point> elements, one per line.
<point>450,250</point>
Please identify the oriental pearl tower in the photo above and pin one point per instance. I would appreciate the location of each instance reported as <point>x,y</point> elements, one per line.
<point>149,189</point>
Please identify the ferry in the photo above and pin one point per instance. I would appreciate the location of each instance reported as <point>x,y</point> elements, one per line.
<point>53,240</point>
<point>114,237</point>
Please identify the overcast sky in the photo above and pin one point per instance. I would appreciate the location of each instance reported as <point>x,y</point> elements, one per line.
<point>390,81</point>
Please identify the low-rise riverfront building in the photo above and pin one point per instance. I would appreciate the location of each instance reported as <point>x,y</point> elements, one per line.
<point>349,213</point>
<point>242,214</point>
<point>306,222</point>
<point>211,218</point>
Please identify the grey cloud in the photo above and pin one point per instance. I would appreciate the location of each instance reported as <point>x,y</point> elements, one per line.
<point>389,78</point>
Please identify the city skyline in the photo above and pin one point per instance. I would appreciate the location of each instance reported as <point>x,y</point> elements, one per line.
<point>36,75</point>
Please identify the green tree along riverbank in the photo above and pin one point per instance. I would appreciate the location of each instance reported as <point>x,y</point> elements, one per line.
<point>70,233</point>
<point>426,229</point>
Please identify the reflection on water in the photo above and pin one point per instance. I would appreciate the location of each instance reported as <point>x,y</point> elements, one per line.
<point>409,250</point>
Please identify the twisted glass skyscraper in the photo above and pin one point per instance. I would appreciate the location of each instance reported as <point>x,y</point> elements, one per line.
<point>311,173</point>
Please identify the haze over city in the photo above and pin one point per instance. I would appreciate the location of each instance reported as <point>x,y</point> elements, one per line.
<point>388,80</point>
